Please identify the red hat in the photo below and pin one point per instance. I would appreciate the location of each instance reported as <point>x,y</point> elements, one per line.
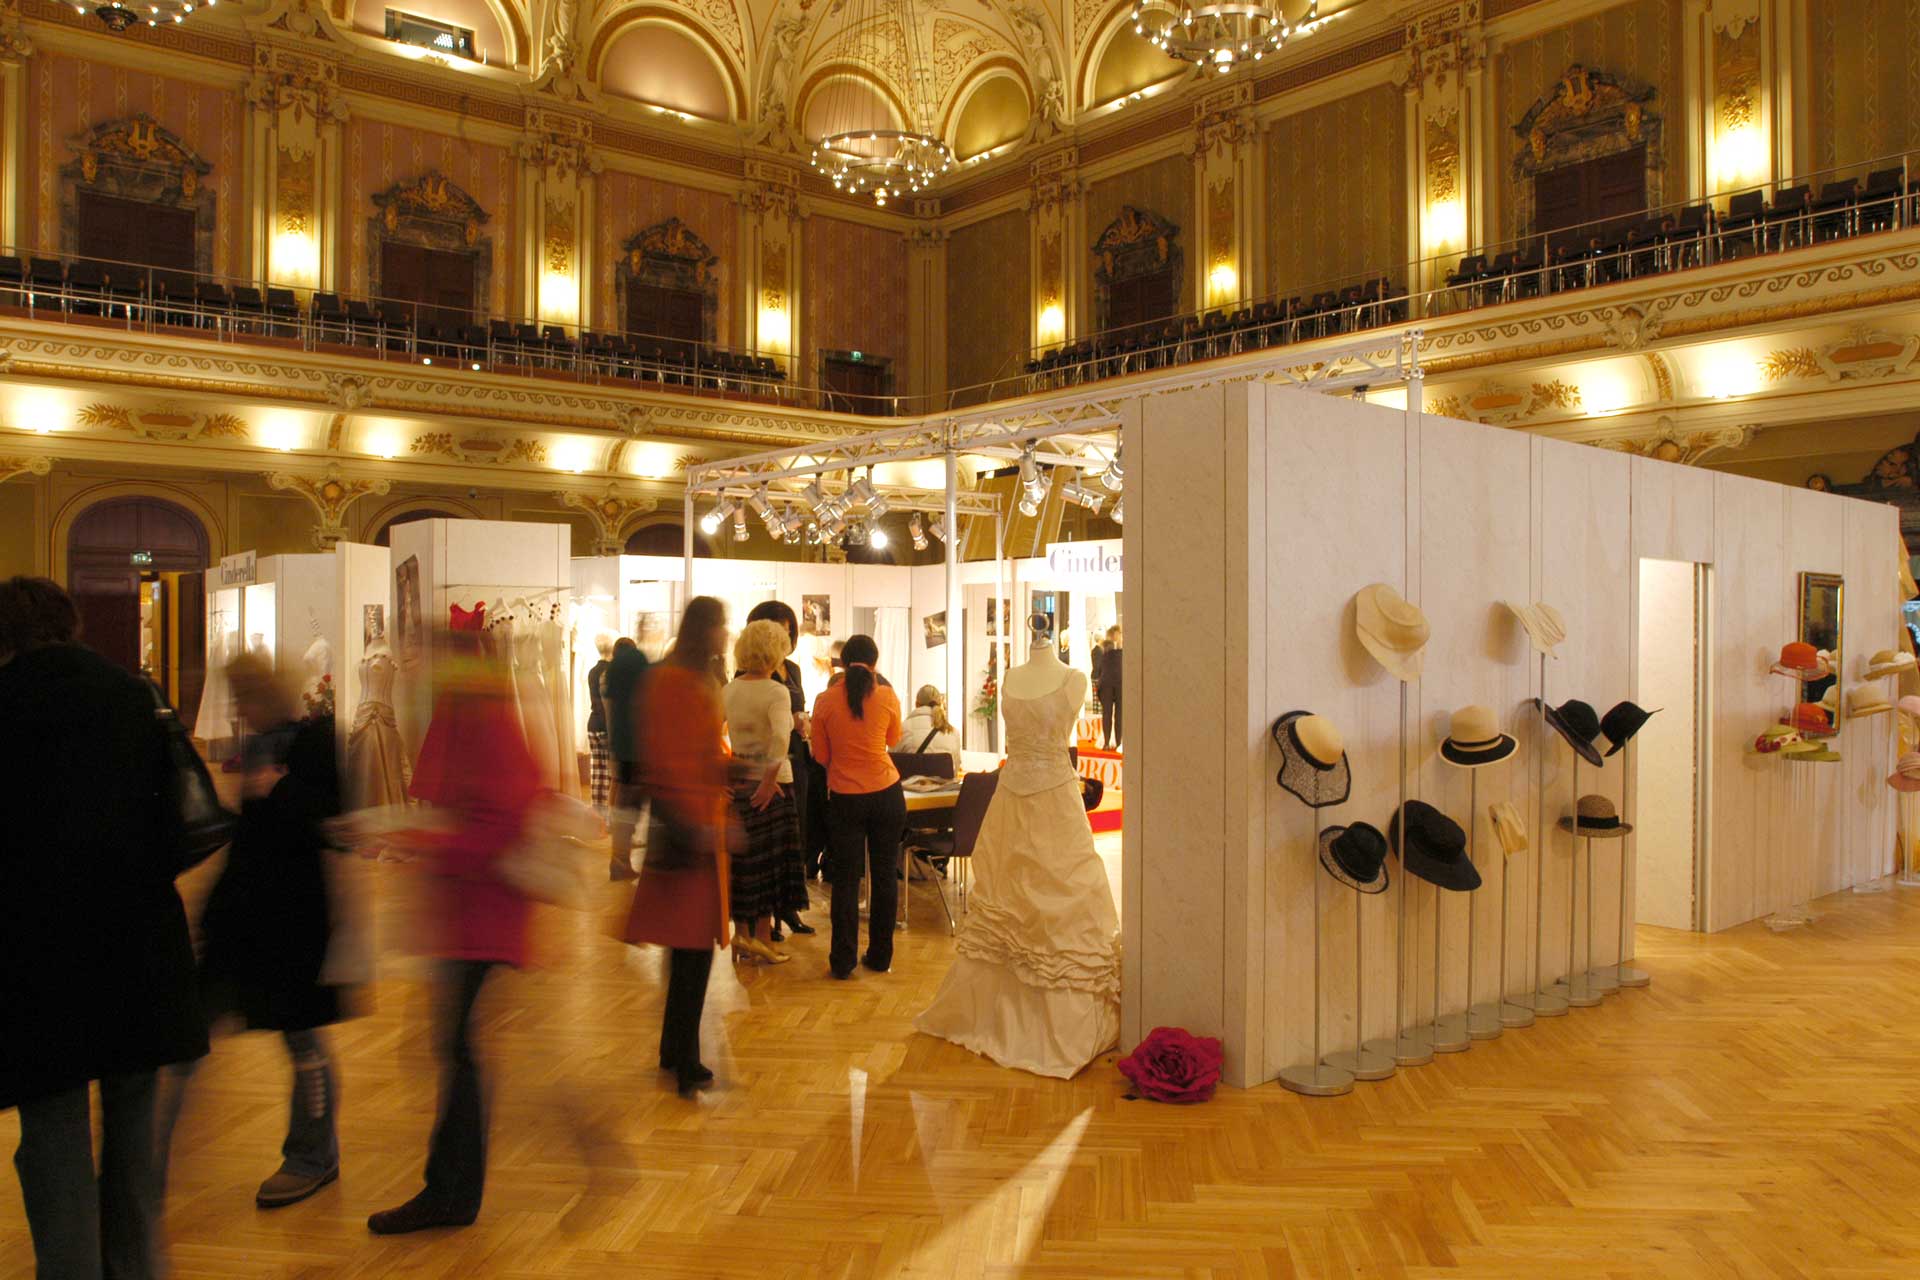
<point>1800,660</point>
<point>1811,717</point>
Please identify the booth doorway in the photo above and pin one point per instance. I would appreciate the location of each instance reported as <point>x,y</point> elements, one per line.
<point>1669,774</point>
<point>134,566</point>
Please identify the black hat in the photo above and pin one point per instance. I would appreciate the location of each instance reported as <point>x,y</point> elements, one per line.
<point>1578,723</point>
<point>1435,848</point>
<point>1356,856</point>
<point>1314,780</point>
<point>1620,724</point>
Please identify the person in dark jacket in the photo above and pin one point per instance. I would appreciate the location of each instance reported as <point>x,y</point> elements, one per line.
<point>267,924</point>
<point>1107,682</point>
<point>95,964</point>
<point>625,670</point>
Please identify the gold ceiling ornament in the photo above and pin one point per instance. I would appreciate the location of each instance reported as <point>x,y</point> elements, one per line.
<point>611,511</point>
<point>1445,406</point>
<point>861,146</point>
<point>1668,444</point>
<point>331,493</point>
<point>12,465</point>
<point>168,422</point>
<point>482,447</point>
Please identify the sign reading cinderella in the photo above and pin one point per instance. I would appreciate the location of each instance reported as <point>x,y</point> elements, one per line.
<point>1085,566</point>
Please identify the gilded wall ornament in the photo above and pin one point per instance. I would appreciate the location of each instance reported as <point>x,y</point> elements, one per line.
<point>12,465</point>
<point>1667,444</point>
<point>331,494</point>
<point>166,422</point>
<point>611,512</point>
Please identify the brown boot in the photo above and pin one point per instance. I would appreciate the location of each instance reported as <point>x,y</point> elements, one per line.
<point>284,1188</point>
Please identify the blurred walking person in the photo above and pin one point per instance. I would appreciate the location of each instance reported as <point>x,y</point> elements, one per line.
<point>267,924</point>
<point>855,724</point>
<point>475,767</point>
<point>620,685</point>
<point>94,956</point>
<point>681,899</point>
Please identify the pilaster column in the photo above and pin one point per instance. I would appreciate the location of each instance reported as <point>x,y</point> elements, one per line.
<point>770,216</point>
<point>557,167</point>
<point>1737,95</point>
<point>1444,70</point>
<point>927,311</point>
<point>295,113</point>
<point>15,50</point>
<point>1056,220</point>
<point>1225,187</point>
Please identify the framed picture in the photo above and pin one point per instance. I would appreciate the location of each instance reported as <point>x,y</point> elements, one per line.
<point>373,624</point>
<point>996,610</point>
<point>816,615</point>
<point>936,625</point>
<point>406,604</point>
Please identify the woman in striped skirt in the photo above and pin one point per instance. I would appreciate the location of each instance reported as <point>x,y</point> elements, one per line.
<point>759,724</point>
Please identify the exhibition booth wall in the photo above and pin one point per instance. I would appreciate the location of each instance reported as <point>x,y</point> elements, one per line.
<point>1267,511</point>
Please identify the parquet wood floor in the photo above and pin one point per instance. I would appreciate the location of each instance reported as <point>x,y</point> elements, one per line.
<point>1751,1115</point>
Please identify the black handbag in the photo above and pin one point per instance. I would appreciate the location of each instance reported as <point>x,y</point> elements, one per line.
<point>1092,792</point>
<point>199,826</point>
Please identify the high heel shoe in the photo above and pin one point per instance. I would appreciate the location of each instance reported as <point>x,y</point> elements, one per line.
<point>795,925</point>
<point>766,953</point>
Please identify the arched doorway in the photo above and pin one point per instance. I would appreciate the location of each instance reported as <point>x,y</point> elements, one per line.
<point>666,539</point>
<point>135,566</point>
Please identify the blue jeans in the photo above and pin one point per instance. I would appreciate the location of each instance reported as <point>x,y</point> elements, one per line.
<point>89,1226</point>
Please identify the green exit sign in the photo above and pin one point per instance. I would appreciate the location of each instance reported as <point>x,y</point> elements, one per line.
<point>141,557</point>
<point>855,355</point>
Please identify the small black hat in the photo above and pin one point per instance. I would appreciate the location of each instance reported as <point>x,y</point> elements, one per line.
<point>1578,723</point>
<point>1356,856</point>
<point>1435,848</point>
<point>1620,724</point>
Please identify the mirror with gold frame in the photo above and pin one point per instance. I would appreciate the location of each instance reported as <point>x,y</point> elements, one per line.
<point>1820,614</point>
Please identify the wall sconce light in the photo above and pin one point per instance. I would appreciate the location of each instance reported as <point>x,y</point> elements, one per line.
<point>1053,323</point>
<point>1446,224</point>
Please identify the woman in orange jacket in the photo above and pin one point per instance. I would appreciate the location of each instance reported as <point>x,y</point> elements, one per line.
<point>680,901</point>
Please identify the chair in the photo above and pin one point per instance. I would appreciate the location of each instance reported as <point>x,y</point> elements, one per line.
<point>923,764</point>
<point>1744,217</point>
<point>282,309</point>
<point>1467,277</point>
<point>560,345</point>
<point>13,278</point>
<point>45,276</point>
<point>1685,237</point>
<point>362,321</point>
<point>1788,212</point>
<point>1881,206</point>
<point>212,304</point>
<point>249,305</point>
<point>86,288</point>
<point>1831,216</point>
<point>969,811</point>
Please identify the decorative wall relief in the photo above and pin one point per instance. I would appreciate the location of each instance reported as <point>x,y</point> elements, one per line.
<point>136,158</point>
<point>331,494</point>
<point>296,182</point>
<point>434,212</point>
<point>1443,161</point>
<point>480,446</point>
<point>1588,115</point>
<point>167,422</point>
<point>669,255</point>
<point>1137,243</point>
<point>1863,355</point>
<point>611,512</point>
<point>557,255</point>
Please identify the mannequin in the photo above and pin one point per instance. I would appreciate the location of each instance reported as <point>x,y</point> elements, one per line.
<point>376,769</point>
<point>1042,672</point>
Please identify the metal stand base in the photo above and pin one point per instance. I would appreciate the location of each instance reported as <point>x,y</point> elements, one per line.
<point>1449,1033</point>
<point>1515,1016</point>
<point>1580,995</point>
<point>1871,886</point>
<point>1628,976</point>
<point>1320,1081</point>
<point>1483,1022</point>
<point>1413,1049</point>
<point>1545,1004</point>
<point>1603,980</point>
<point>1374,1062</point>
<point>1911,880</point>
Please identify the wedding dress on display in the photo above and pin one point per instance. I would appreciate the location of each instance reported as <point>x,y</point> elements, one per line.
<point>376,763</point>
<point>536,707</point>
<point>1035,982</point>
<point>553,643</point>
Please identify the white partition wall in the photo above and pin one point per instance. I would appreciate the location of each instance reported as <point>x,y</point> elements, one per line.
<point>1255,515</point>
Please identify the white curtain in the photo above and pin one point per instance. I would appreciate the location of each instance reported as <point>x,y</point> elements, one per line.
<point>890,626</point>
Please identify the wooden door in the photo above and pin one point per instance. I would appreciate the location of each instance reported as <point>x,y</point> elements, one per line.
<point>117,230</point>
<point>1608,190</point>
<point>439,283</point>
<point>104,578</point>
<point>672,320</point>
<point>1141,300</point>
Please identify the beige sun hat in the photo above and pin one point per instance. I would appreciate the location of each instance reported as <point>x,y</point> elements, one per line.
<point>1866,700</point>
<point>1320,740</point>
<point>1888,663</point>
<point>1545,626</point>
<point>1392,630</point>
<point>1507,828</point>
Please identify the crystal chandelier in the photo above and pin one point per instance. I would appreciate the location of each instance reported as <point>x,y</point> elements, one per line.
<point>865,139</point>
<point>118,16</point>
<point>1218,35</point>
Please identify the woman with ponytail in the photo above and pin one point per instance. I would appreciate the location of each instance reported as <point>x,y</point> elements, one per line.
<point>855,724</point>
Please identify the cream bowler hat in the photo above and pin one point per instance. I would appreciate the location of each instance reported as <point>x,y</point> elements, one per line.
<point>1888,663</point>
<point>1546,628</point>
<point>1392,630</point>
<point>1865,700</point>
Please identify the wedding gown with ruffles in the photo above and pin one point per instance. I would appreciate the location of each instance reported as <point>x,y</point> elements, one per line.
<point>376,763</point>
<point>1035,982</point>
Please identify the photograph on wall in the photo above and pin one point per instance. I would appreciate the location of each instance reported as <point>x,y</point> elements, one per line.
<point>996,610</point>
<point>652,630</point>
<point>373,625</point>
<point>936,625</point>
<point>406,604</point>
<point>816,615</point>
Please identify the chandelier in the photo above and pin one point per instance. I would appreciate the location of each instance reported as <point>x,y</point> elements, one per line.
<point>1218,35</point>
<point>866,139</point>
<point>118,16</point>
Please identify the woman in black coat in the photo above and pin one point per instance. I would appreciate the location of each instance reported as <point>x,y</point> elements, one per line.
<point>95,965</point>
<point>268,921</point>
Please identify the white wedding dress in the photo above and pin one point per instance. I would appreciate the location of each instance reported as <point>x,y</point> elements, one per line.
<point>1035,983</point>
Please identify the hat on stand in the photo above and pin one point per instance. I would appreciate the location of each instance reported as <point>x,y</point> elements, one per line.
<point>1392,630</point>
<point>1578,723</point>
<point>1622,722</point>
<point>1356,856</point>
<point>1313,759</point>
<point>1476,739</point>
<point>1906,774</point>
<point>1544,625</point>
<point>1434,848</point>
<point>1595,817</point>
<point>1781,739</point>
<point>1811,717</point>
<point>1507,828</point>
<point>1800,661</point>
<point>1819,755</point>
<point>1888,663</point>
<point>1866,700</point>
<point>1909,705</point>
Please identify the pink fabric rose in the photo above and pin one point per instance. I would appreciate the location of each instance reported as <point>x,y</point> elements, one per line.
<point>1172,1065</point>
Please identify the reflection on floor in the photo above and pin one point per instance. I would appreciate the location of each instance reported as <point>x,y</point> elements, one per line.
<point>1750,1114</point>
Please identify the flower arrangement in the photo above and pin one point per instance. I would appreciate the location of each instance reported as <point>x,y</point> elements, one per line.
<point>1173,1065</point>
<point>987,705</point>
<point>319,697</point>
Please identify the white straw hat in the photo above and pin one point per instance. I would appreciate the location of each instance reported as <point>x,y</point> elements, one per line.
<point>1391,629</point>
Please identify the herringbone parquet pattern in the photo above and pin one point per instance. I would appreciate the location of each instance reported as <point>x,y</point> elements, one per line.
<point>1752,1114</point>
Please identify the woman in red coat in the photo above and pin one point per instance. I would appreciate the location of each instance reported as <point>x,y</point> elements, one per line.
<point>680,901</point>
<point>475,767</point>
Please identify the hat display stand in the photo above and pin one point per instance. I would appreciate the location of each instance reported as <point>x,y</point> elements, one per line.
<point>1411,1046</point>
<point>1510,1013</point>
<point>1909,876</point>
<point>1800,914</point>
<point>1369,1059</point>
<point>1318,1078</point>
<point>1878,884</point>
<point>1624,974</point>
<point>1543,1002</point>
<point>1483,1020</point>
<point>1580,993</point>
